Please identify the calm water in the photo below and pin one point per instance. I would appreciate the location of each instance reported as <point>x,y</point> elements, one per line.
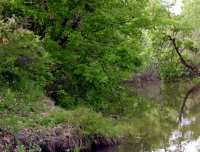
<point>184,136</point>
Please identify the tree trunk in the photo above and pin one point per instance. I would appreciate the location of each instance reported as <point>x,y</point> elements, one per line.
<point>194,70</point>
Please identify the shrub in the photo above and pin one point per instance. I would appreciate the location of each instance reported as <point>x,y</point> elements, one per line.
<point>22,56</point>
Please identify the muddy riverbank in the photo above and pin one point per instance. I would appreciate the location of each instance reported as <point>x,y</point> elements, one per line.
<point>63,138</point>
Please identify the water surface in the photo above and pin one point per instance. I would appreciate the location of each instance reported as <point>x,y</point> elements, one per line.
<point>185,135</point>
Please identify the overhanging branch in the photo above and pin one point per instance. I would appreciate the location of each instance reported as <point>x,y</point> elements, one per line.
<point>194,70</point>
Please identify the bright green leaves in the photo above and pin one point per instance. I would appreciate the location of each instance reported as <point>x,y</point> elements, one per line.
<point>92,72</point>
<point>95,44</point>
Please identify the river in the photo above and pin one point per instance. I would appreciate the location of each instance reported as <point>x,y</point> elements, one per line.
<point>184,98</point>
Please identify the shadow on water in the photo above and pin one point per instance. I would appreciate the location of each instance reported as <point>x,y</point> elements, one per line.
<point>184,98</point>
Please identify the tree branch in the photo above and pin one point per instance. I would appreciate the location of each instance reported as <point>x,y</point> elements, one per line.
<point>194,70</point>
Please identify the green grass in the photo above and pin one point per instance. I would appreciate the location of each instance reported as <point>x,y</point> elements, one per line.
<point>86,119</point>
<point>91,122</point>
<point>138,119</point>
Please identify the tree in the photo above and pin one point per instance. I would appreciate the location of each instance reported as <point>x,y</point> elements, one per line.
<point>93,44</point>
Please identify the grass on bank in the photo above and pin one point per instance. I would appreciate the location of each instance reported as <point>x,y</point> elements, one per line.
<point>137,118</point>
<point>141,120</point>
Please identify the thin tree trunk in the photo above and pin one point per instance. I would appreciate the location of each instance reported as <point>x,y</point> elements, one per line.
<point>194,70</point>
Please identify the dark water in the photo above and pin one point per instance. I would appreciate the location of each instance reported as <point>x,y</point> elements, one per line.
<point>184,98</point>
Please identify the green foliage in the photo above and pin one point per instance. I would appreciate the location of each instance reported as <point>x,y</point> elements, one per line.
<point>88,120</point>
<point>170,66</point>
<point>76,150</point>
<point>21,148</point>
<point>22,56</point>
<point>79,52</point>
<point>23,70</point>
<point>93,44</point>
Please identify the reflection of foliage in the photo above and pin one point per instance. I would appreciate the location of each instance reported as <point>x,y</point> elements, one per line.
<point>78,52</point>
<point>152,129</point>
